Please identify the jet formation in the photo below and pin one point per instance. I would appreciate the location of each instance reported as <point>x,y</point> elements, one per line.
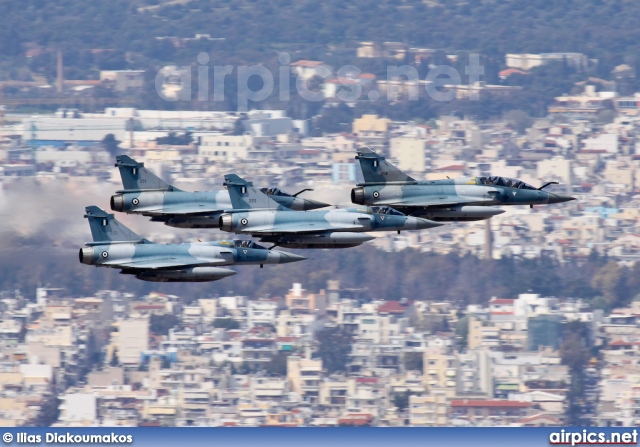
<point>255,213</point>
<point>388,200</point>
<point>147,195</point>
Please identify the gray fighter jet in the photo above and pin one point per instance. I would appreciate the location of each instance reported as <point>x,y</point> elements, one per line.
<point>257,214</point>
<point>146,194</point>
<point>461,199</point>
<point>116,246</point>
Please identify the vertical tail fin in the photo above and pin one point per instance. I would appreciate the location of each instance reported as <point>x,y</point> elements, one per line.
<point>136,177</point>
<point>105,227</point>
<point>245,196</point>
<point>375,169</point>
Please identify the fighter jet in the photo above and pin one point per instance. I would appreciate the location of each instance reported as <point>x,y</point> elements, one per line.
<point>257,214</point>
<point>461,199</point>
<point>116,246</point>
<point>146,194</point>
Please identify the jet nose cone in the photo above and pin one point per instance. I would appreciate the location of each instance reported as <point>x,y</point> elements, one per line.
<point>559,198</point>
<point>314,204</point>
<point>418,223</point>
<point>284,257</point>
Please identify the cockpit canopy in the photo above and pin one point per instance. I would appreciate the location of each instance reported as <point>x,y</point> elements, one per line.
<point>273,192</point>
<point>385,210</point>
<point>240,243</point>
<point>503,181</point>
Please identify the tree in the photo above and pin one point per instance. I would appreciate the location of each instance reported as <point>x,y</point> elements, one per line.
<point>335,119</point>
<point>610,281</point>
<point>401,400</point>
<point>432,324</point>
<point>115,361</point>
<point>462,333</point>
<point>575,353</point>
<point>174,139</point>
<point>160,324</point>
<point>414,361</point>
<point>520,120</point>
<point>278,364</point>
<point>226,323</point>
<point>606,116</point>
<point>111,145</point>
<point>49,411</point>
<point>238,126</point>
<point>633,282</point>
<point>334,347</point>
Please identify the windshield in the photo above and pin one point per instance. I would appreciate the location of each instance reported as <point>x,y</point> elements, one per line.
<point>504,181</point>
<point>385,210</point>
<point>247,244</point>
<point>273,192</point>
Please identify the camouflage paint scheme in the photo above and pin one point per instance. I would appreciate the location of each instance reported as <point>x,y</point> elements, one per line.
<point>116,246</point>
<point>257,214</point>
<point>461,199</point>
<point>146,194</point>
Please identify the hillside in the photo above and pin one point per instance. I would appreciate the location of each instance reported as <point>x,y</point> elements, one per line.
<point>602,29</point>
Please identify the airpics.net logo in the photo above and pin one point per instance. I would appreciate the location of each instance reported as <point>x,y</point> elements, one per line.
<point>255,83</point>
<point>588,437</point>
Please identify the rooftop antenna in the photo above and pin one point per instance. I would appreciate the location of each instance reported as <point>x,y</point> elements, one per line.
<point>60,77</point>
<point>488,246</point>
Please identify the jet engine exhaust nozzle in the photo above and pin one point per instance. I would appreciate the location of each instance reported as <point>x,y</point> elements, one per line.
<point>86,255</point>
<point>357,196</point>
<point>117,203</point>
<point>226,222</point>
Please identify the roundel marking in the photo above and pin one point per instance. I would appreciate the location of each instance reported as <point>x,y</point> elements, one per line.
<point>135,201</point>
<point>376,194</point>
<point>244,221</point>
<point>104,254</point>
